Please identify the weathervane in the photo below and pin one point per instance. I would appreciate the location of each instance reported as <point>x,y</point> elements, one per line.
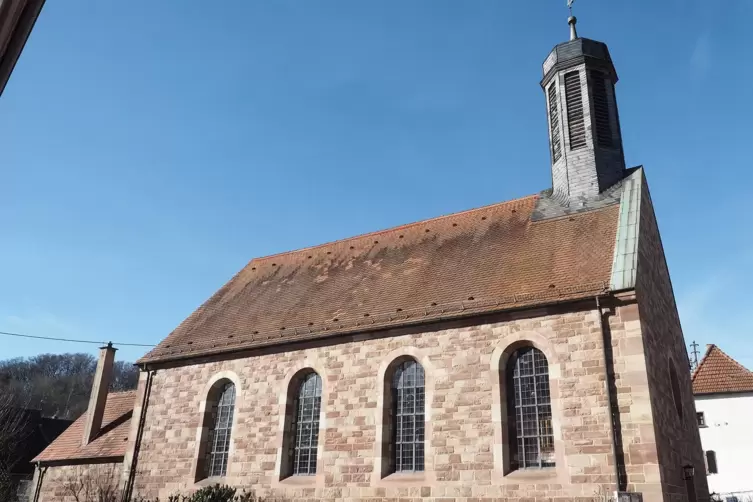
<point>572,20</point>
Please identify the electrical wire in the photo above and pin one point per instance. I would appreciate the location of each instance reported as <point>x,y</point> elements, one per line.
<point>19,335</point>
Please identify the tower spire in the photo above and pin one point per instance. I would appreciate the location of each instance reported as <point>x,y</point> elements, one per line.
<point>584,126</point>
<point>572,20</point>
<point>573,32</point>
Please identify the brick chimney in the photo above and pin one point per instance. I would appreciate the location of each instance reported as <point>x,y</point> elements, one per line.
<point>98,397</point>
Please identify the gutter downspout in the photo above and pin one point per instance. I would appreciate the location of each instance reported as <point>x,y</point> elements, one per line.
<point>617,479</point>
<point>128,489</point>
<point>40,476</point>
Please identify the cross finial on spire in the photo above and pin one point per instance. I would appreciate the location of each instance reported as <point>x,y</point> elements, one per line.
<point>572,20</point>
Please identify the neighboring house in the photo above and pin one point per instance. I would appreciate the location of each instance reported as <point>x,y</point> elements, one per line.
<point>17,18</point>
<point>723,391</point>
<point>527,350</point>
<point>93,447</point>
<point>36,433</point>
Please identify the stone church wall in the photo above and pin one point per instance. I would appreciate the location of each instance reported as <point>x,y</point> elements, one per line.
<point>72,483</point>
<point>678,439</point>
<point>464,424</point>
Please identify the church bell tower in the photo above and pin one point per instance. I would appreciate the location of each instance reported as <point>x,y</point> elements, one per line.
<point>584,126</point>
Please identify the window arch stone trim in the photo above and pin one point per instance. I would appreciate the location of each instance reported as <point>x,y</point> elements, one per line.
<point>380,474</point>
<point>286,397</point>
<point>202,428</point>
<point>500,450</point>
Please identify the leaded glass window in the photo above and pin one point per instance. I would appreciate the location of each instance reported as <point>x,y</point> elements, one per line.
<point>408,395</point>
<point>529,404</point>
<point>306,425</point>
<point>219,434</point>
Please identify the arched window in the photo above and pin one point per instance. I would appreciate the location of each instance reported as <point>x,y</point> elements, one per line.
<point>219,415</point>
<point>408,417</point>
<point>305,425</point>
<point>531,437</point>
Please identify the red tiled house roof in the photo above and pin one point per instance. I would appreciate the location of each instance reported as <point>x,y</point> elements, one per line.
<point>478,261</point>
<point>110,443</point>
<point>719,373</point>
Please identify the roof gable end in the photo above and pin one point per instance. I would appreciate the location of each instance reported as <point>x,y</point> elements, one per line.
<point>718,373</point>
<point>110,443</point>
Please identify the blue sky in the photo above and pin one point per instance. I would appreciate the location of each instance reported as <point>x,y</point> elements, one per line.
<point>150,149</point>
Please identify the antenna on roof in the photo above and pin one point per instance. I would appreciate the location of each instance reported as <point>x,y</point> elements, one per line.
<point>572,20</point>
<point>694,361</point>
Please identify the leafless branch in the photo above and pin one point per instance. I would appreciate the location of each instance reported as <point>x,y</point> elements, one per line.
<point>95,483</point>
<point>13,432</point>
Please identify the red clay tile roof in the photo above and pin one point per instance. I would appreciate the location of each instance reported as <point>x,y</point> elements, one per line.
<point>477,261</point>
<point>718,372</point>
<point>111,441</point>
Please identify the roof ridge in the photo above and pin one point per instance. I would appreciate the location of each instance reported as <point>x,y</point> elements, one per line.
<point>115,392</point>
<point>391,229</point>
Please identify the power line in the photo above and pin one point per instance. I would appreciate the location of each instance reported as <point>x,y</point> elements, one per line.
<point>96,342</point>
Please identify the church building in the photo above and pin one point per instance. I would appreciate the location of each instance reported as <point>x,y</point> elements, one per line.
<point>529,350</point>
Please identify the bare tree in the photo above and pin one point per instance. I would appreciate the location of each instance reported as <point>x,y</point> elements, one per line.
<point>93,483</point>
<point>13,432</point>
<point>59,384</point>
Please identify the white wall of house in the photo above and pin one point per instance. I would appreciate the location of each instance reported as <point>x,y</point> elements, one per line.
<point>729,433</point>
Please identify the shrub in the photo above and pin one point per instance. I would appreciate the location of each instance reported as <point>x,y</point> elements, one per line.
<point>214,493</point>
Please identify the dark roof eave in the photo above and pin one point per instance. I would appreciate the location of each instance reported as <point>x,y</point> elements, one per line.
<point>723,393</point>
<point>145,364</point>
<point>78,461</point>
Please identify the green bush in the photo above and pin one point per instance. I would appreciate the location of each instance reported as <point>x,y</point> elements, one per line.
<point>214,493</point>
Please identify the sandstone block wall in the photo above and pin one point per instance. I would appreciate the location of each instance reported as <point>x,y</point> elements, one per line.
<point>464,425</point>
<point>678,438</point>
<point>78,483</point>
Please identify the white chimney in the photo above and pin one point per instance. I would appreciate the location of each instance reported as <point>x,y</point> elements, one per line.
<point>98,398</point>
